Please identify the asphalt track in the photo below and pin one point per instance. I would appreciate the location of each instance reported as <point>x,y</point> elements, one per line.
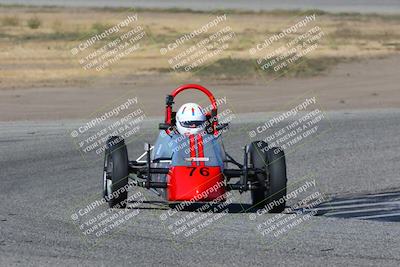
<point>44,180</point>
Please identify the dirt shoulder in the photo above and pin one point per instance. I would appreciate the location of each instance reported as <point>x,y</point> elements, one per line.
<point>365,84</point>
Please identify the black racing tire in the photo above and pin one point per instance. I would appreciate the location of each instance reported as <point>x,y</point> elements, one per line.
<point>258,159</point>
<point>277,179</point>
<point>116,171</point>
<point>271,185</point>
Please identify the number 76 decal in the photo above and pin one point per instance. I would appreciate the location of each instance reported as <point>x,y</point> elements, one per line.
<point>203,171</point>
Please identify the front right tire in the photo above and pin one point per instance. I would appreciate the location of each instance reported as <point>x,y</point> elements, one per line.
<point>115,174</point>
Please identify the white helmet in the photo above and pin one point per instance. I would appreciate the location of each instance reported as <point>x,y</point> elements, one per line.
<point>190,119</point>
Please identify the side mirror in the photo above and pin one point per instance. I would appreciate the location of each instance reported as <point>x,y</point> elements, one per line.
<point>164,126</point>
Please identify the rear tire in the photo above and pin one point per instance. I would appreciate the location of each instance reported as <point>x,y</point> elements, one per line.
<point>271,184</point>
<point>115,176</point>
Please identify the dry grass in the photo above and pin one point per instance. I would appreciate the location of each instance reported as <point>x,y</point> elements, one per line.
<point>10,21</point>
<point>35,43</point>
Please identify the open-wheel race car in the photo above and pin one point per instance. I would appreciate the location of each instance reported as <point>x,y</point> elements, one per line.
<point>188,162</point>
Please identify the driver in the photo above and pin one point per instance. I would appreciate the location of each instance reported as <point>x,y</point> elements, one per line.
<point>190,119</point>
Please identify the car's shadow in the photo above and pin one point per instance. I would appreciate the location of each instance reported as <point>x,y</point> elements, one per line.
<point>194,207</point>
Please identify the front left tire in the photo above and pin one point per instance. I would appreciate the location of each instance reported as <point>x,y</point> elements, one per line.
<point>272,183</point>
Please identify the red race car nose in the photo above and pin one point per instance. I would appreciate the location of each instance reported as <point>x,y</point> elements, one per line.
<point>195,183</point>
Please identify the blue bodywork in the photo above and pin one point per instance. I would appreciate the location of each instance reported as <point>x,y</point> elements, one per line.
<point>176,147</point>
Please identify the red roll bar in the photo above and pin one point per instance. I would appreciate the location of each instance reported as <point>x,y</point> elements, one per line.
<point>174,93</point>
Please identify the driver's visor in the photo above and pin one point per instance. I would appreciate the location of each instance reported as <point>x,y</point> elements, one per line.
<point>191,124</point>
